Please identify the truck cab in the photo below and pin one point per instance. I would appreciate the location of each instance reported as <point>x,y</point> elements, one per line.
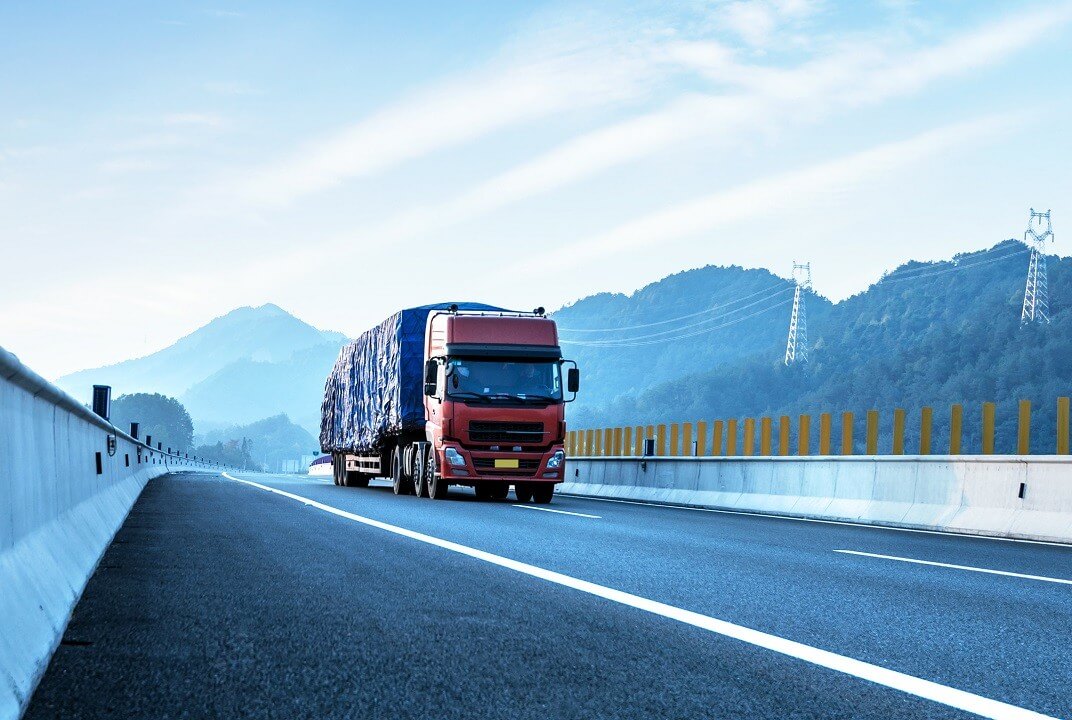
<point>495,388</point>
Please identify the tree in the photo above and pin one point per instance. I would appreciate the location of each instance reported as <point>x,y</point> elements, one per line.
<point>162,417</point>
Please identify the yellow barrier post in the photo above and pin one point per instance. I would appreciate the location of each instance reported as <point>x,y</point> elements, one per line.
<point>956,428</point>
<point>686,440</point>
<point>597,449</point>
<point>783,435</point>
<point>639,440</point>
<point>846,433</point>
<point>1062,425</point>
<point>926,420</point>
<point>618,452</point>
<point>627,441</point>
<point>749,437</point>
<point>765,436</point>
<point>675,436</point>
<point>716,437</point>
<point>1023,435</point>
<point>701,438</point>
<point>589,442</point>
<point>804,436</point>
<point>660,440</point>
<point>898,431</point>
<point>608,441</point>
<point>988,428</point>
<point>650,435</point>
<point>731,437</point>
<point>872,432</point>
<point>824,433</point>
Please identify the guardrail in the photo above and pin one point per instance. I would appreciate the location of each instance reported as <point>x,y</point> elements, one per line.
<point>772,437</point>
<point>68,478</point>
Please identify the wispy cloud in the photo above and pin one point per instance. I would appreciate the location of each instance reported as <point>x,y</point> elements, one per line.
<point>770,195</point>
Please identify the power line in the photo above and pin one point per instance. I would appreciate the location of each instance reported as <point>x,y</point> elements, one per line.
<point>618,342</point>
<point>956,268</point>
<point>672,320</point>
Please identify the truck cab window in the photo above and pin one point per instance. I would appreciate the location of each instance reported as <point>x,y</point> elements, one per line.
<point>505,379</point>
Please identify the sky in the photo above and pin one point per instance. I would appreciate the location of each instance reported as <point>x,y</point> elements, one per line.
<point>162,164</point>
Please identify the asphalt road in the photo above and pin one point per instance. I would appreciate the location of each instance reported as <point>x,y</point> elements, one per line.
<point>221,598</point>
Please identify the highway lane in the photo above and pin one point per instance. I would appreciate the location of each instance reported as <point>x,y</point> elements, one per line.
<point>222,598</point>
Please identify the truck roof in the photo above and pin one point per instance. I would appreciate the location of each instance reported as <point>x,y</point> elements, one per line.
<point>492,334</point>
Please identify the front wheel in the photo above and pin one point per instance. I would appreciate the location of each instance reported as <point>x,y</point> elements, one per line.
<point>436,483</point>
<point>542,493</point>
<point>523,492</point>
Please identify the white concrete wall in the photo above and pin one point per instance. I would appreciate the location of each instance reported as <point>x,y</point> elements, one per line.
<point>57,516</point>
<point>968,494</point>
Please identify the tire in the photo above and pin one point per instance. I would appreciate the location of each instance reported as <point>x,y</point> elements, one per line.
<point>399,482</point>
<point>419,487</point>
<point>336,471</point>
<point>523,492</point>
<point>542,493</point>
<point>499,491</point>
<point>435,484</point>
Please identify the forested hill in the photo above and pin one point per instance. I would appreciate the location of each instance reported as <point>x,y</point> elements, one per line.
<point>927,334</point>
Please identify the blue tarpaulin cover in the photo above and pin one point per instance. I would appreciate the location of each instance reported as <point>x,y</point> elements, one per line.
<point>376,389</point>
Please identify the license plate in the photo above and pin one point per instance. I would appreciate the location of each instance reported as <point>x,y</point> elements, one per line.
<point>506,463</point>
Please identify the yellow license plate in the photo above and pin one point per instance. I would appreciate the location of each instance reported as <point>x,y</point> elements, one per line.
<point>506,463</point>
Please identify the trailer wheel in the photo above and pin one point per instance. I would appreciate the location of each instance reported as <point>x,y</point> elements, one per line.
<point>542,493</point>
<point>436,484</point>
<point>398,478</point>
<point>418,473</point>
<point>523,492</point>
<point>336,471</point>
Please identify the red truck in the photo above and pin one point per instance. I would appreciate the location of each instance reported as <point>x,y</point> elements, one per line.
<point>475,398</point>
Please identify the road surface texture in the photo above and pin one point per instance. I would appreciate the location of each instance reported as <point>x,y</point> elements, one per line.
<point>287,597</point>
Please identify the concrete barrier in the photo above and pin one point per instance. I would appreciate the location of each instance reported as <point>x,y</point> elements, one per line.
<point>57,515</point>
<point>1028,497</point>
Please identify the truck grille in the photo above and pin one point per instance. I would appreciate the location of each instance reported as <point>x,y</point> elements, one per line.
<point>486,466</point>
<point>505,432</point>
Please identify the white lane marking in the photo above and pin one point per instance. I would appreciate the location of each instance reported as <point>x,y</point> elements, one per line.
<point>847,523</point>
<point>956,567</point>
<point>959,699</point>
<point>560,512</point>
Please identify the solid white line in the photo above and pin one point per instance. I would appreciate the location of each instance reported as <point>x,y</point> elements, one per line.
<point>560,512</point>
<point>926,689</point>
<point>957,567</point>
<point>847,523</point>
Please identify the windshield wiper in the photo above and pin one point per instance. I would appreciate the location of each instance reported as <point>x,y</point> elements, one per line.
<point>468,395</point>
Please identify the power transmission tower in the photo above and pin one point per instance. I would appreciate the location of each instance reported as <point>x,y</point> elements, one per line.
<point>796,348</point>
<point>1036,300</point>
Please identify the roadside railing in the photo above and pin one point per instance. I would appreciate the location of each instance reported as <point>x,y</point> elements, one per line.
<point>782,436</point>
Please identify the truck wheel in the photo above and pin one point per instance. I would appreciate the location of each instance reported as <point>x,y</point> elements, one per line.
<point>523,492</point>
<point>436,484</point>
<point>336,471</point>
<point>418,474</point>
<point>542,493</point>
<point>398,479</point>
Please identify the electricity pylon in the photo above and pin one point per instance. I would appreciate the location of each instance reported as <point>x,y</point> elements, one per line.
<point>1036,300</point>
<point>796,347</point>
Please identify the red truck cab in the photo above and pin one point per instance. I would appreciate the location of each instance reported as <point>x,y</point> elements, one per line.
<point>495,392</point>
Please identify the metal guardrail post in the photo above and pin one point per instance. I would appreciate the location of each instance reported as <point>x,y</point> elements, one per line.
<point>1023,435</point>
<point>956,425</point>
<point>1062,425</point>
<point>846,433</point>
<point>926,422</point>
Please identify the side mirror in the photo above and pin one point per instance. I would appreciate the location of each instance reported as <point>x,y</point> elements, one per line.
<point>573,380</point>
<point>431,371</point>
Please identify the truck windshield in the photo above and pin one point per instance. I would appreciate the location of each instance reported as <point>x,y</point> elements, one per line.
<point>493,380</point>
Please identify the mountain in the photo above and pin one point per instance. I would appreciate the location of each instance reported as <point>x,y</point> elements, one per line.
<point>926,334</point>
<point>239,367</point>
<point>271,442</point>
<point>689,322</point>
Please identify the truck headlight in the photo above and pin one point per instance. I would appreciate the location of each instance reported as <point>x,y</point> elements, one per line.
<point>556,460</point>
<point>454,458</point>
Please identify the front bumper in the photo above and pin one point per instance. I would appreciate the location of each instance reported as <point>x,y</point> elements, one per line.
<point>480,466</point>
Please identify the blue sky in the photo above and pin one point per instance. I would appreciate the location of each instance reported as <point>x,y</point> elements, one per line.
<point>344,159</point>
